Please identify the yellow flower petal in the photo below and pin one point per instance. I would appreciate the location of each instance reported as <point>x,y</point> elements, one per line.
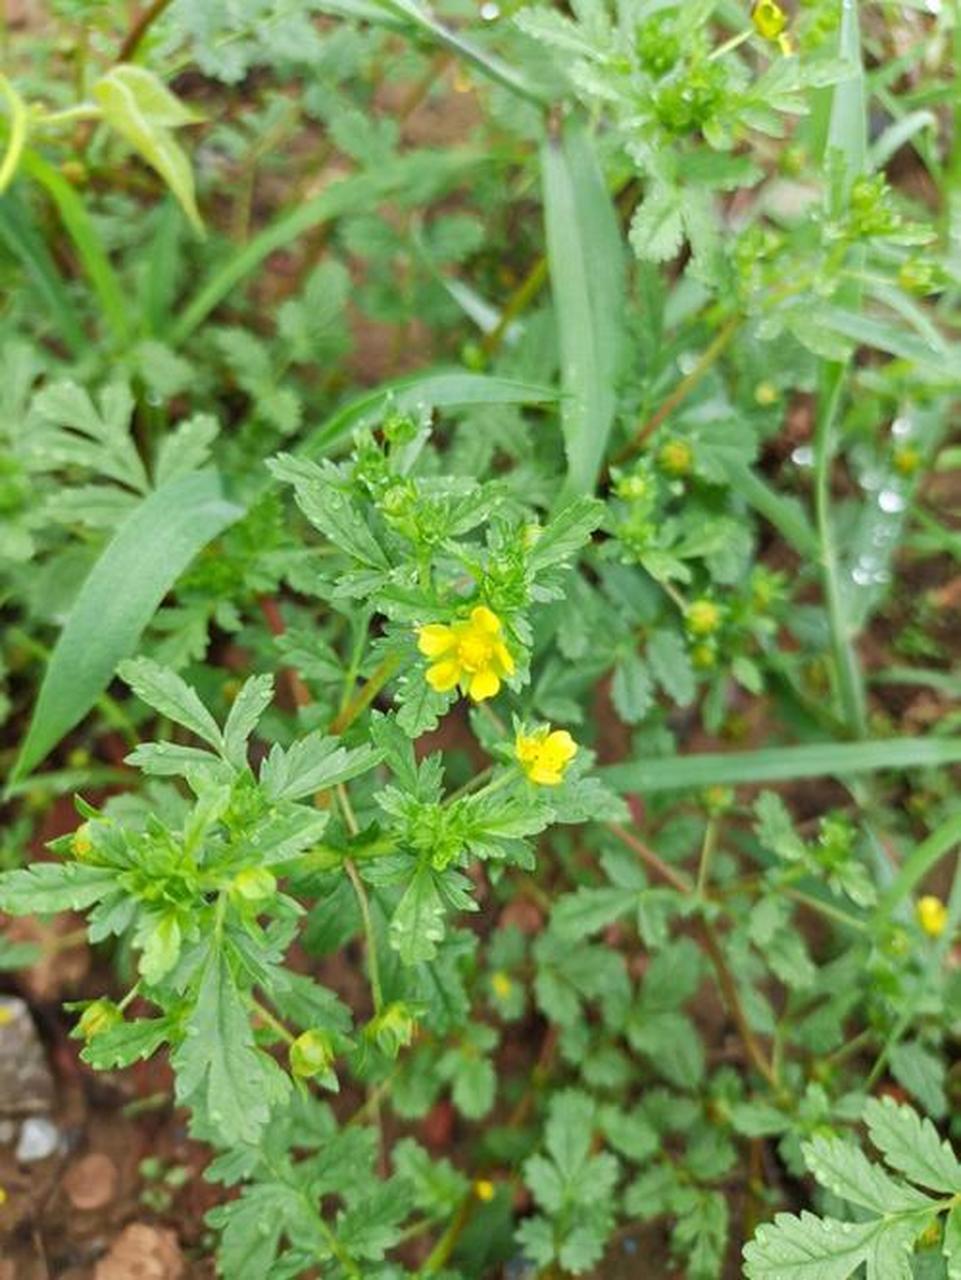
<point>442,676</point>
<point>544,775</point>
<point>932,915</point>
<point>544,754</point>
<point>484,684</point>
<point>435,639</point>
<point>503,658</point>
<point>485,619</point>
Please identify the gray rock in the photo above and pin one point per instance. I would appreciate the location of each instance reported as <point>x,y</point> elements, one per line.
<point>26,1086</point>
<point>39,1138</point>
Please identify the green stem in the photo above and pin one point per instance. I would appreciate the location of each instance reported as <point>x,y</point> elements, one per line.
<point>373,964</point>
<point>491,67</point>
<point>445,1245</point>
<point>18,132</point>
<point>365,696</point>
<point>848,673</point>
<point>274,1023</point>
<point>708,359</point>
<point>707,854</point>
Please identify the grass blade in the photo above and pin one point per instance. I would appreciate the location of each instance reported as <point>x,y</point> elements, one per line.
<point>439,389</point>
<point>17,233</point>
<point>848,126</point>
<point>785,513</point>
<point>357,192</point>
<point>586,260</point>
<point>149,551</point>
<point>922,859</point>
<point>75,219</point>
<point>782,764</point>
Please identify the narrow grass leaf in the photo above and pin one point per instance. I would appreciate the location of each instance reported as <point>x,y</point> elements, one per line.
<point>922,859</point>
<point>782,764</point>
<point>785,513</point>
<point>149,551</point>
<point>360,191</point>
<point>439,389</point>
<point>21,239</point>
<point>82,232</point>
<point>586,260</point>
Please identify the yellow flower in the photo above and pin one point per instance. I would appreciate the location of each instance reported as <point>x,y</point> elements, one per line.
<point>484,1190</point>
<point>769,19</point>
<point>932,915</point>
<point>545,754</point>
<point>470,653</point>
<point>501,984</point>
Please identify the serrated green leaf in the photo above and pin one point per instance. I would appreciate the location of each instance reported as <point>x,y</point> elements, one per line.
<point>250,704</point>
<point>229,1085</point>
<point>125,1043</point>
<point>631,689</point>
<point>812,1248</point>
<point>668,659</point>
<point>314,763</point>
<point>47,887</point>
<point>417,924</point>
<point>921,1072</point>
<point>912,1145</point>
<point>843,1168</point>
<point>171,696</point>
<point>566,533</point>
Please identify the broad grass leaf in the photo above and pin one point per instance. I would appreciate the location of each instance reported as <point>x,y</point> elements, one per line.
<point>585,255</point>
<point>146,556</point>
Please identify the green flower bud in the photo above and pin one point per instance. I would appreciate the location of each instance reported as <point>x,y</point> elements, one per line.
<point>98,1017</point>
<point>393,1028</point>
<point>312,1054</point>
<point>676,457</point>
<point>254,884</point>
<point>703,617</point>
<point>81,846</point>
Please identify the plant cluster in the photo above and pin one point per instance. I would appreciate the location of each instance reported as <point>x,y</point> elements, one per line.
<point>492,740</point>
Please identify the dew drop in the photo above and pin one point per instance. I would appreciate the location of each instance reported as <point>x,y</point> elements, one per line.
<point>891,501</point>
<point>490,11</point>
<point>803,456</point>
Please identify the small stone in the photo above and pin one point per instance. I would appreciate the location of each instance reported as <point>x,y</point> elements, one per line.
<point>39,1138</point>
<point>142,1252</point>
<point>26,1086</point>
<point>91,1182</point>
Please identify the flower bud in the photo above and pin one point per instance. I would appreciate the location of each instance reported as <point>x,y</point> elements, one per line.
<point>81,845</point>
<point>676,457</point>
<point>98,1018</point>
<point>254,884</point>
<point>393,1028</point>
<point>703,617</point>
<point>312,1054</point>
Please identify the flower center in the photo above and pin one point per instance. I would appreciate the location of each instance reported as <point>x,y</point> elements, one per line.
<point>474,652</point>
